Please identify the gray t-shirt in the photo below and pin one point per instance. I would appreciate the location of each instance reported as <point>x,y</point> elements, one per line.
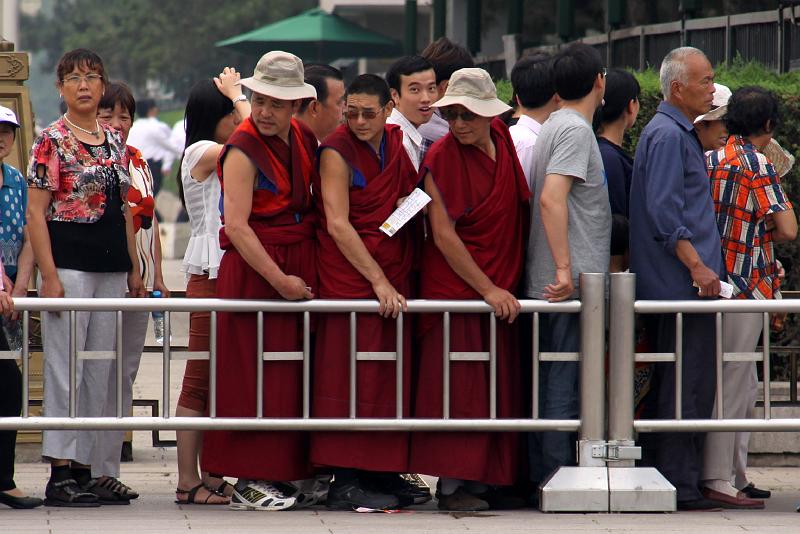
<point>567,146</point>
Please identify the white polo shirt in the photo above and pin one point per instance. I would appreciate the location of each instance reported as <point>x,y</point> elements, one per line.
<point>524,134</point>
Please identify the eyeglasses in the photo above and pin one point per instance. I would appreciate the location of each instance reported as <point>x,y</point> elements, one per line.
<point>368,114</point>
<point>451,115</point>
<point>76,79</point>
<point>603,72</point>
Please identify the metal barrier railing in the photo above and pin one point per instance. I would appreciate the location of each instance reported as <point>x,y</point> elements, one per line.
<point>624,307</point>
<point>590,424</point>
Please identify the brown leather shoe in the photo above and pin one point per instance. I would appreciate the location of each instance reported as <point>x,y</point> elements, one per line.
<point>740,502</point>
<point>461,501</point>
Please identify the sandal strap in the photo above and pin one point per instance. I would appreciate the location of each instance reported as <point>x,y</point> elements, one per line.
<point>64,483</point>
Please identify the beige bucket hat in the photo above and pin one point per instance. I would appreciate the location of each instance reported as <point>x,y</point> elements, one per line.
<point>473,88</point>
<point>280,75</point>
<point>720,103</point>
<point>781,159</point>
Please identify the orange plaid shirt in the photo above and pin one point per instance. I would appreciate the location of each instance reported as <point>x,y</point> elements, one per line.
<point>745,189</point>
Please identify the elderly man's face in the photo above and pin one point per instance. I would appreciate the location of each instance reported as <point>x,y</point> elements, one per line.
<point>698,93</point>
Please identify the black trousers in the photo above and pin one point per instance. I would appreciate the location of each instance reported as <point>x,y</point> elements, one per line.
<point>10,406</point>
<point>158,175</point>
<point>679,455</point>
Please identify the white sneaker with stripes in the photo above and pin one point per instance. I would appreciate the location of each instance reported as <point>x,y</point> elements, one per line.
<point>259,495</point>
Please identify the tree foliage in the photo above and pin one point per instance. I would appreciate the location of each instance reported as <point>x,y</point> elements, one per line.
<point>169,41</point>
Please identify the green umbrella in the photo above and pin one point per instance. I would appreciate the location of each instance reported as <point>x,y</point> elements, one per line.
<point>315,35</point>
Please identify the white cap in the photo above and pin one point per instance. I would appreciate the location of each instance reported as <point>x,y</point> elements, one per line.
<point>720,104</point>
<point>6,115</point>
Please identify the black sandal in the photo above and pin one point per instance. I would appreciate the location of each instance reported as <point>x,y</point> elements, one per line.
<point>68,494</point>
<point>191,495</point>
<point>105,495</point>
<point>118,488</point>
<point>223,485</point>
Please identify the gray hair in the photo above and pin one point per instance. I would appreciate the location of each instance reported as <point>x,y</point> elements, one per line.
<point>673,67</point>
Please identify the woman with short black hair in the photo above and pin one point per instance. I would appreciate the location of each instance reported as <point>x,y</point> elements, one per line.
<point>83,241</point>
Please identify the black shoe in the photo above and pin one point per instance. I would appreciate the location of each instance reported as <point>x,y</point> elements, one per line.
<point>699,505</point>
<point>418,483</point>
<point>21,503</point>
<point>67,493</point>
<point>755,493</point>
<point>502,499</point>
<point>352,495</point>
<point>406,492</point>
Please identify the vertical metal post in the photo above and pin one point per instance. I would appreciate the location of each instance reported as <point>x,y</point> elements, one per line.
<point>446,365</point>
<point>119,364</point>
<point>678,365</point>
<point>260,364</point>
<point>535,368</point>
<point>73,363</point>
<point>353,364</point>
<point>212,365</point>
<point>25,363</point>
<point>410,21</point>
<point>306,365</point>
<point>439,18</point>
<point>621,350</point>
<point>167,364</point>
<point>399,367</point>
<point>719,354</point>
<point>492,366</point>
<point>592,365</point>
<point>473,26</point>
<point>765,369</point>
<point>516,17</point>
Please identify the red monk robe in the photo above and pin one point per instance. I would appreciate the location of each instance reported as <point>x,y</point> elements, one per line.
<point>283,219</point>
<point>373,197</point>
<point>488,200</point>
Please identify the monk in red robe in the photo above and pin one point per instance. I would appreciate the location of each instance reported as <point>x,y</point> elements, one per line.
<point>266,171</point>
<point>478,218</point>
<point>364,172</point>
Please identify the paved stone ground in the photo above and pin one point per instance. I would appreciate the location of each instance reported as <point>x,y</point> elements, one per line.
<point>154,474</point>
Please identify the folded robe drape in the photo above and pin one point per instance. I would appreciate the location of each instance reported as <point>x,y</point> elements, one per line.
<point>284,223</point>
<point>488,200</point>
<point>376,186</point>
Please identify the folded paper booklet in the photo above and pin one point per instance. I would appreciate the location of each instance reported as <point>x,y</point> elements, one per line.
<point>404,213</point>
<point>725,289</point>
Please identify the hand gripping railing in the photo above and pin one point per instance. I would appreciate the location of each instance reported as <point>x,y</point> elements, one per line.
<point>591,423</point>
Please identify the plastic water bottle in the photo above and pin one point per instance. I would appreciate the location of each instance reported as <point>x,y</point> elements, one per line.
<point>158,322</point>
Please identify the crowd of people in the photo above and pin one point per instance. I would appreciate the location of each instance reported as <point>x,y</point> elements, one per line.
<point>286,192</point>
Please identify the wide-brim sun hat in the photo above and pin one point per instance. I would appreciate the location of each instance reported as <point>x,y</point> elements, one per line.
<point>280,75</point>
<point>8,115</point>
<point>720,104</point>
<point>473,88</point>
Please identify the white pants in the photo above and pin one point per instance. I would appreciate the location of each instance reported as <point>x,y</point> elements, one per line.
<point>94,331</point>
<point>105,461</point>
<point>725,455</point>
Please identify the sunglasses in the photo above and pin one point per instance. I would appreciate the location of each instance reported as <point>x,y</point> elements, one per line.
<point>451,115</point>
<point>368,114</point>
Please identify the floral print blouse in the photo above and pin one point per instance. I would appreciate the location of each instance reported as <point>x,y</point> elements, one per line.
<point>79,181</point>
